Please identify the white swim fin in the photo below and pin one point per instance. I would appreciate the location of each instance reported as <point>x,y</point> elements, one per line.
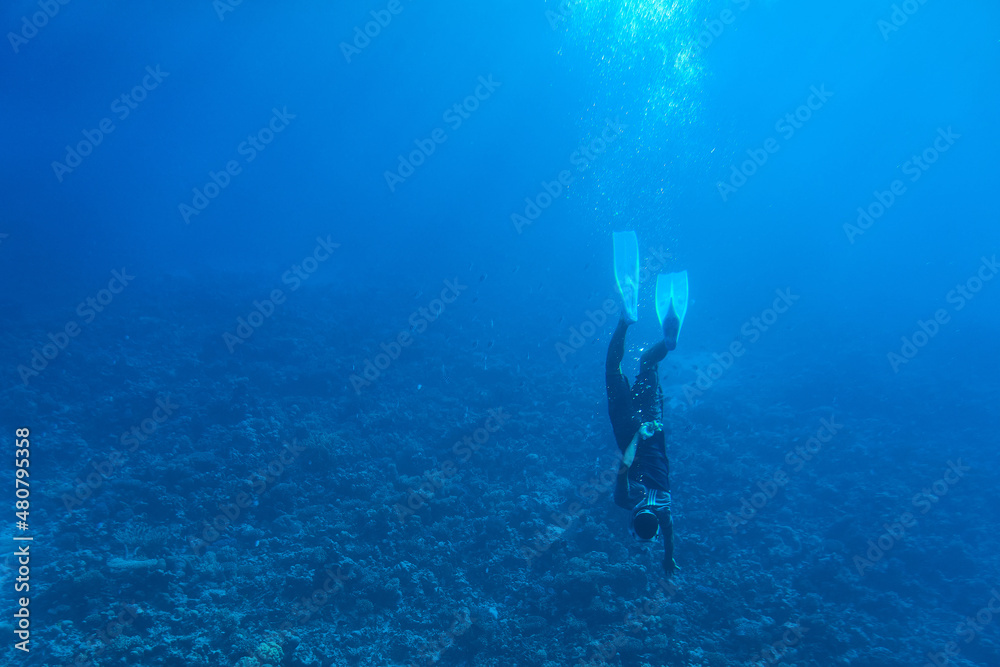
<point>671,304</point>
<point>627,272</point>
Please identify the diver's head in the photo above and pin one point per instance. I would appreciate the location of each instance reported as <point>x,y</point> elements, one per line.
<point>645,525</point>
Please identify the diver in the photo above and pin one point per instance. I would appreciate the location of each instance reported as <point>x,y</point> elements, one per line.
<point>643,485</point>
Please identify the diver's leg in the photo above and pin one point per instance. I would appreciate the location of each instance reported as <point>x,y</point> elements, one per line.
<point>647,396</point>
<point>651,357</point>
<point>616,348</point>
<point>623,421</point>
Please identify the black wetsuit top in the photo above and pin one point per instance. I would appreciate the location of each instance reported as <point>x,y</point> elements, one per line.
<point>650,466</point>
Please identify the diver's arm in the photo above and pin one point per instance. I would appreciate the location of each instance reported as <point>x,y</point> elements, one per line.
<point>622,490</point>
<point>670,567</point>
<point>629,454</point>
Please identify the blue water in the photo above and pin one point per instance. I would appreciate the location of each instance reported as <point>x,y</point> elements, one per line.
<point>307,325</point>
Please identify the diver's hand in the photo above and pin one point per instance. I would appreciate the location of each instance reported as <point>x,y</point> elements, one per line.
<point>648,429</point>
<point>670,567</point>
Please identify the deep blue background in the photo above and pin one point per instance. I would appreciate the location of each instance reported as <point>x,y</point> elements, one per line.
<point>691,116</point>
